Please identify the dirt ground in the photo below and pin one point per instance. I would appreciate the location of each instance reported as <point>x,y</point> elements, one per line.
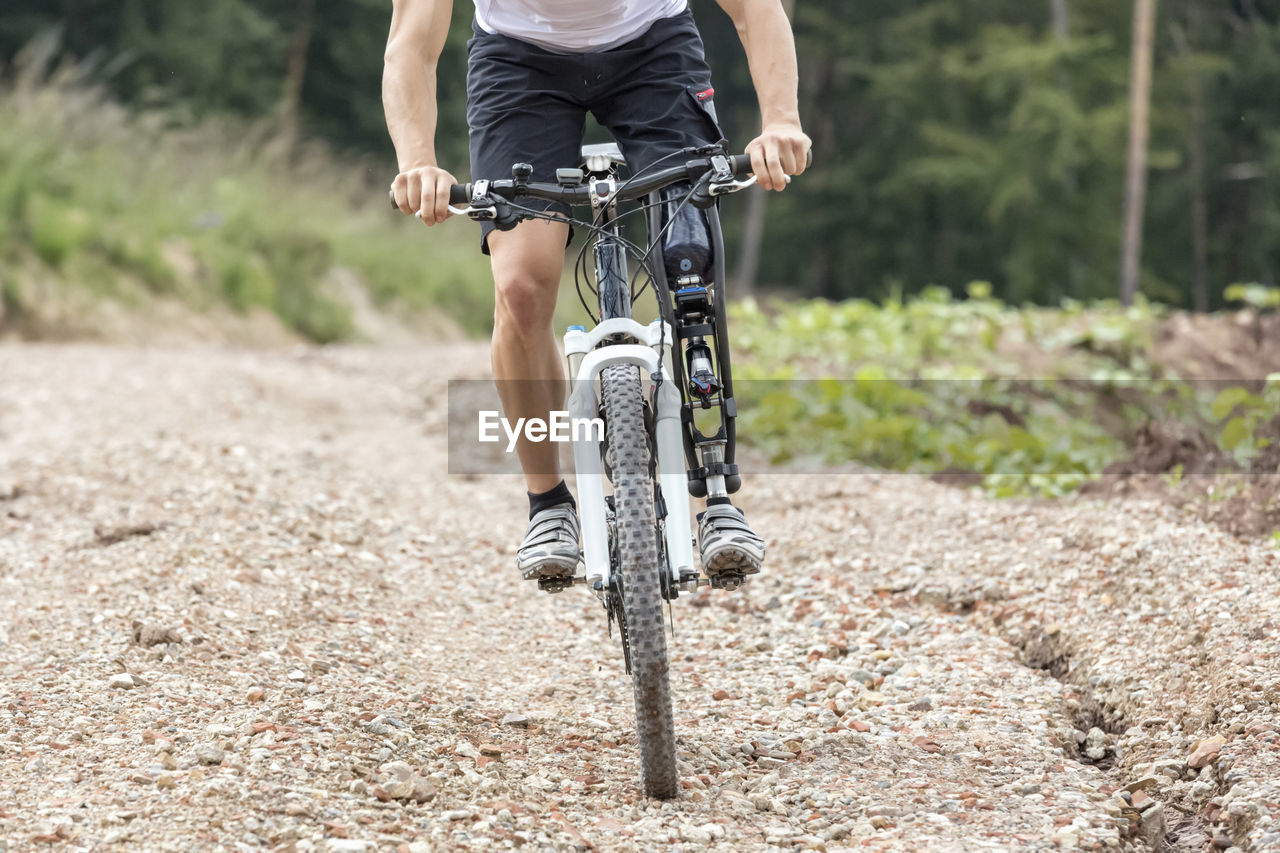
<point>243,606</point>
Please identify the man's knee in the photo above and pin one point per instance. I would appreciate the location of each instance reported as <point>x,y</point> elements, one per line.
<point>527,263</point>
<point>524,295</point>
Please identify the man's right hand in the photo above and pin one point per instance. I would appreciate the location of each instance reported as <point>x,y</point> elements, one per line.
<point>424,190</point>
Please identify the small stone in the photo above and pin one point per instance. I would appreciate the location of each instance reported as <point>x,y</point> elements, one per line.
<point>1144,784</point>
<point>720,696</point>
<point>207,753</point>
<point>456,814</point>
<point>423,790</point>
<point>150,634</point>
<point>490,749</point>
<point>695,835</point>
<point>884,811</point>
<point>1206,752</point>
<point>1222,841</point>
<point>255,694</point>
<point>397,783</point>
<point>165,781</point>
<point>922,704</point>
<point>297,675</point>
<point>121,681</point>
<point>1095,744</point>
<point>516,720</point>
<point>466,749</point>
<point>862,676</point>
<point>769,761</point>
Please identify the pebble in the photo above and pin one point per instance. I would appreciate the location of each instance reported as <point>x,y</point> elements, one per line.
<point>121,681</point>
<point>516,720</point>
<point>1095,744</point>
<point>209,754</point>
<point>1206,752</point>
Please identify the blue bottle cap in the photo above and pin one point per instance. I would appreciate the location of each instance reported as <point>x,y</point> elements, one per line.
<point>577,328</point>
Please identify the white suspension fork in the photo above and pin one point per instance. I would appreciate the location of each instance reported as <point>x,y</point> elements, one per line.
<point>585,364</point>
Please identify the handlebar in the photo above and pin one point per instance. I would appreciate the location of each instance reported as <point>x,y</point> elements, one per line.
<point>739,165</point>
<point>712,173</point>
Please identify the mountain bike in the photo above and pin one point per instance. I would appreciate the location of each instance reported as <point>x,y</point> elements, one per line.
<point>646,382</point>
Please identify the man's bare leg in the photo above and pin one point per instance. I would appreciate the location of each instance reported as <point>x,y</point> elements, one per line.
<point>527,263</point>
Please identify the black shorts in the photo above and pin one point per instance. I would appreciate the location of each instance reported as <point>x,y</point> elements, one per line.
<point>526,104</point>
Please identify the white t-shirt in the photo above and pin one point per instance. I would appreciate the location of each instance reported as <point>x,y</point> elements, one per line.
<point>574,26</point>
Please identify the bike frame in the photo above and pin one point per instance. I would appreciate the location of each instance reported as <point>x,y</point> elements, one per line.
<point>647,347</point>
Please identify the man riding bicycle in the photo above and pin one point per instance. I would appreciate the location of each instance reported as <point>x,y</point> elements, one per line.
<point>535,68</point>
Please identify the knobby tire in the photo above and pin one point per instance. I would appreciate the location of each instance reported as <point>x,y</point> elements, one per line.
<point>628,457</point>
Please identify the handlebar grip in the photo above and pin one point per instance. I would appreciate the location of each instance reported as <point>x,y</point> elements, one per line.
<point>741,163</point>
<point>458,194</point>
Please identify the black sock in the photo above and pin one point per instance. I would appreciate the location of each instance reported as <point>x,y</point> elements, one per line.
<point>719,502</point>
<point>559,495</point>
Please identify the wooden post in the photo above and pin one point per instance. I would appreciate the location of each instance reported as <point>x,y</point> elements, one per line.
<point>1199,203</point>
<point>1061,20</point>
<point>291,95</point>
<point>1135,193</point>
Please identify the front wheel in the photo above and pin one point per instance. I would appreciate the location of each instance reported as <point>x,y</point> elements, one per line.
<point>637,550</point>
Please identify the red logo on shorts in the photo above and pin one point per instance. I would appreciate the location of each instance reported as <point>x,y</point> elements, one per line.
<point>702,96</point>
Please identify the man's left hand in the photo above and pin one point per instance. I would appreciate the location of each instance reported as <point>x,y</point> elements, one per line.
<point>780,150</point>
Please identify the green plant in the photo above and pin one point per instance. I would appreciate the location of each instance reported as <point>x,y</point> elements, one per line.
<point>933,384</point>
<point>1257,296</point>
<point>1241,413</point>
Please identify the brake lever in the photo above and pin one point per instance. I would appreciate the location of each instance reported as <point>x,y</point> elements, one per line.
<point>731,186</point>
<point>726,187</point>
<point>476,213</point>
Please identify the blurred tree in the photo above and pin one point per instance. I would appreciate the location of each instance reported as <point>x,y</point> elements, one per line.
<point>1135,194</point>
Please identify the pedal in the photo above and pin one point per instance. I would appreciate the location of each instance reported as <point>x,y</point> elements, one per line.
<point>727,580</point>
<point>554,585</point>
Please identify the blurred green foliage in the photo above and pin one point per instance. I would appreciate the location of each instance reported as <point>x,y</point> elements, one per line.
<point>955,140</point>
<point>125,204</point>
<point>1030,400</point>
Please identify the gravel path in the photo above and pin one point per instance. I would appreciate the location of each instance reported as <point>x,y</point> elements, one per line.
<point>242,607</point>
